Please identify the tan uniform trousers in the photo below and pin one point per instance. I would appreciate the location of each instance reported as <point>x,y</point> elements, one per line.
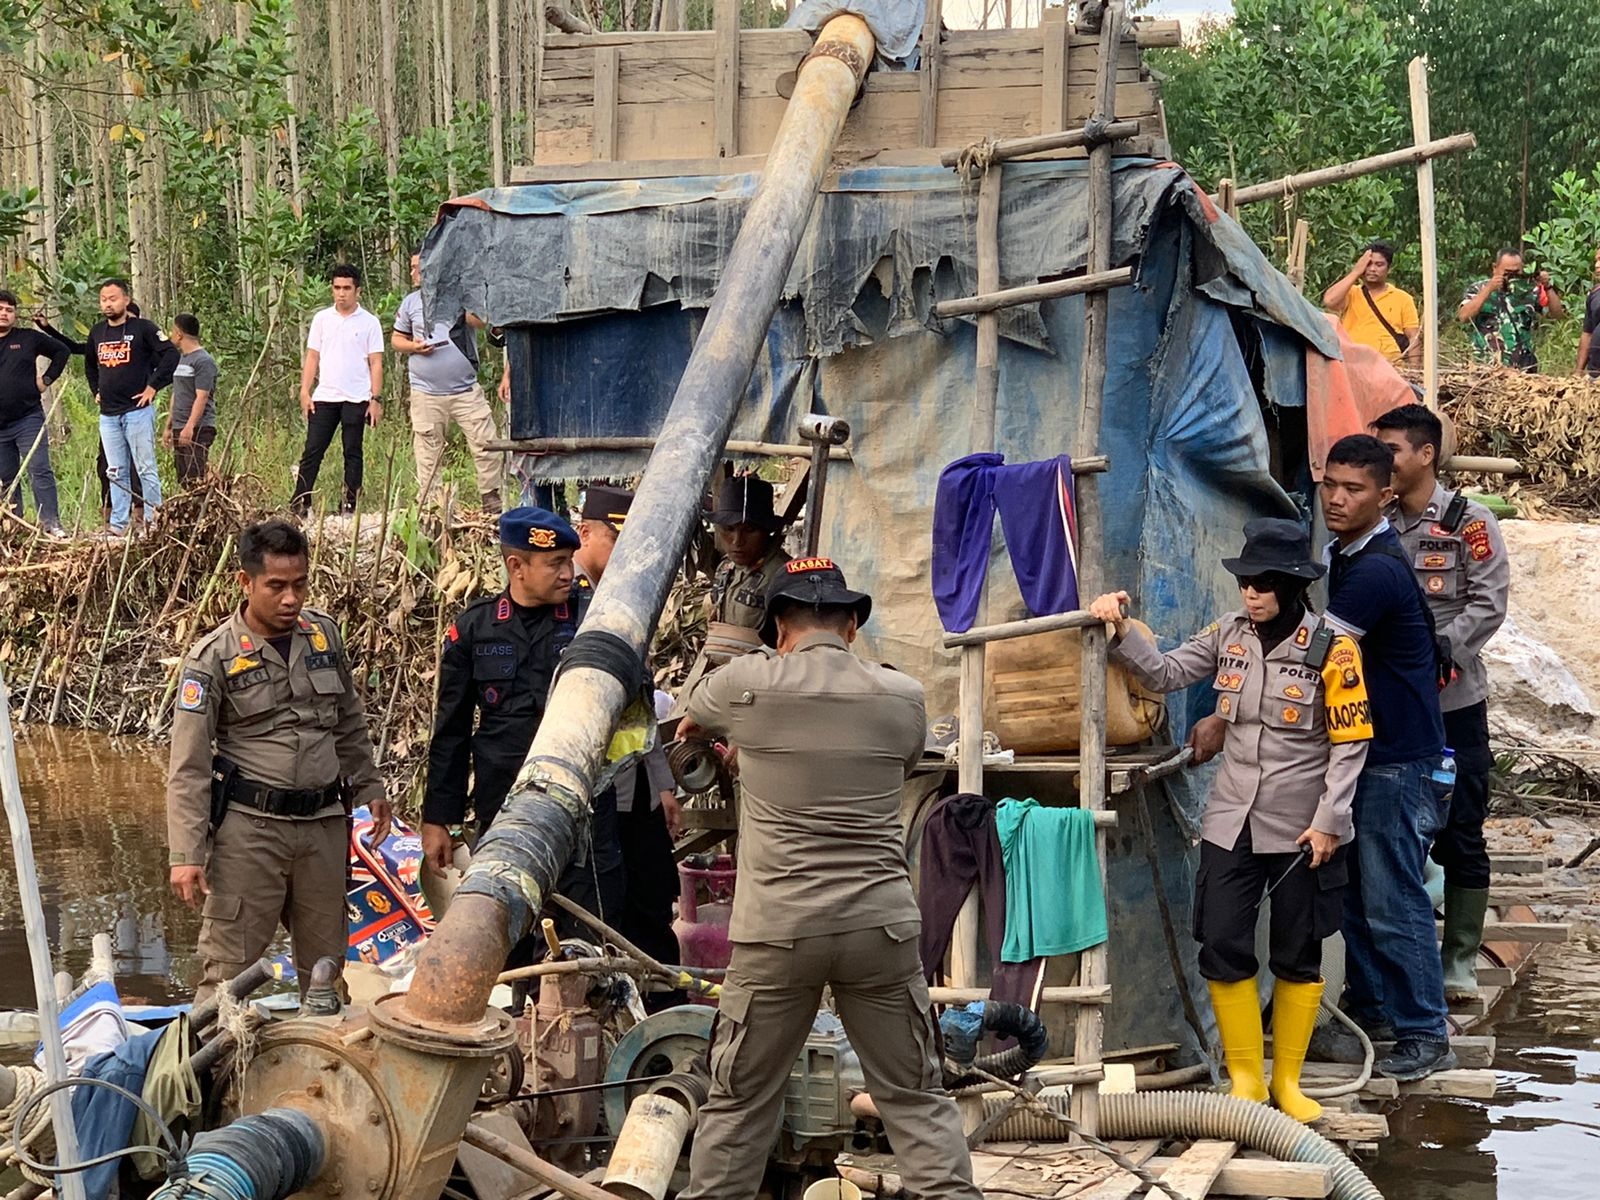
<point>768,1003</point>
<point>263,871</point>
<point>430,432</point>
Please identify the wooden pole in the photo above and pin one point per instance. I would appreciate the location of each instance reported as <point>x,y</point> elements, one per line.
<point>38,938</point>
<point>1089,1026</point>
<point>1276,188</point>
<point>1418,76</point>
<point>579,445</point>
<point>969,775</point>
<point>1040,143</point>
<point>1033,293</point>
<point>980,635</point>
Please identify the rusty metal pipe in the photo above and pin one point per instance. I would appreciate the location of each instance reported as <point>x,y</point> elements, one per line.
<point>518,860</point>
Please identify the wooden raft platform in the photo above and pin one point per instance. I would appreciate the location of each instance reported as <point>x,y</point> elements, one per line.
<point>635,105</point>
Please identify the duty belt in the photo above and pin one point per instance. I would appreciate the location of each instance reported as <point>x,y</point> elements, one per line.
<point>283,802</point>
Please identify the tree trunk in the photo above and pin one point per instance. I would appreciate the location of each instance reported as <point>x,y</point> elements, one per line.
<point>497,133</point>
<point>391,130</point>
<point>336,58</point>
<point>447,51</point>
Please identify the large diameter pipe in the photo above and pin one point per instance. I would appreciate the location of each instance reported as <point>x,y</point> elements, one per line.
<point>531,839</point>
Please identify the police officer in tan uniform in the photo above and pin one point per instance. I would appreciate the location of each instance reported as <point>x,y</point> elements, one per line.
<point>269,749</point>
<point>1460,562</point>
<point>1297,723</point>
<point>825,741</point>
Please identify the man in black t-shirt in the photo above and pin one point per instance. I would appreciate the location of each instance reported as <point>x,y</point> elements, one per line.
<point>22,433</point>
<point>127,362</point>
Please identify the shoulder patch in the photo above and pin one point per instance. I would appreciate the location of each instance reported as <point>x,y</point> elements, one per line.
<point>502,609</point>
<point>192,695</point>
<point>1476,536</point>
<point>1344,694</point>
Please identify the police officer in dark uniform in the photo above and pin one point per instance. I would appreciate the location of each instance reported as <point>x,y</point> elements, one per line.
<point>495,675</point>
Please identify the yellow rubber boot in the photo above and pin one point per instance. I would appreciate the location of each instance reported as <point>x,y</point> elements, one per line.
<point>1294,1016</point>
<point>1238,1009</point>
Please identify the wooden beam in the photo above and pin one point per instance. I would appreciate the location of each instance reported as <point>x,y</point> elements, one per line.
<point>1261,1177</point>
<point>1524,931</point>
<point>726,84</point>
<point>551,445</point>
<point>1197,1168</point>
<point>1516,864</point>
<point>1033,293</point>
<point>1482,465</point>
<point>1500,977</point>
<point>928,72</point>
<point>607,62</point>
<point>1277,188</point>
<point>1056,30</point>
<point>980,635</point>
<point>1040,143</point>
<point>1417,75</point>
<point>1298,245</point>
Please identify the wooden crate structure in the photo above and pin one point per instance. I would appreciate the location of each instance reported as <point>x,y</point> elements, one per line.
<point>712,98</point>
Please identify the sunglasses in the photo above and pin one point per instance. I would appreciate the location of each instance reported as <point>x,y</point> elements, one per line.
<point>1260,583</point>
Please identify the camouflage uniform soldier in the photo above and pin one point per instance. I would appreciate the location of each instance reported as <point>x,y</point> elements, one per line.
<point>1500,312</point>
<point>269,749</point>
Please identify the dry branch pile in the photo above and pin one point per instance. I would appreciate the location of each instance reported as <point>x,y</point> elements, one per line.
<point>1550,423</point>
<point>94,631</point>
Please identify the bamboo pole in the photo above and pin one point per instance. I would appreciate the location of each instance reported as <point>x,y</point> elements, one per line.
<point>964,942</point>
<point>55,1057</point>
<point>1089,1025</point>
<point>1040,143</point>
<point>1417,74</point>
<point>1033,293</point>
<point>579,445</point>
<point>980,635</point>
<point>1277,188</point>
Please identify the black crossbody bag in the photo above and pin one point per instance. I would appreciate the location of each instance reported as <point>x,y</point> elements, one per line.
<point>1400,339</point>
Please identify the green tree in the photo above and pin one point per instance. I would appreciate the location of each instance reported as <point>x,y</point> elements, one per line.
<point>1287,86</point>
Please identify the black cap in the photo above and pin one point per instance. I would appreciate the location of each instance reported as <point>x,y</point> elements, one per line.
<point>746,500</point>
<point>1275,545</point>
<point>608,504</point>
<point>811,581</point>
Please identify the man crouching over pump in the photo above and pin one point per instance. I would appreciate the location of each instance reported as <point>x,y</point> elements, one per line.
<point>1277,822</point>
<point>825,742</point>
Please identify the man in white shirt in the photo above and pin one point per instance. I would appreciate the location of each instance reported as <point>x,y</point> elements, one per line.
<point>344,358</point>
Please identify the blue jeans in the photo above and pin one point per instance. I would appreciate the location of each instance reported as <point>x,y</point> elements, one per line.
<point>17,445</point>
<point>1392,968</point>
<point>130,444</point>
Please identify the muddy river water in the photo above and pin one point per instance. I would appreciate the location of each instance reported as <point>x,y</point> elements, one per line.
<point>100,839</point>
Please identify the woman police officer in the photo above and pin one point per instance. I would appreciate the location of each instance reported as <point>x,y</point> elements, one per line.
<point>1277,820</point>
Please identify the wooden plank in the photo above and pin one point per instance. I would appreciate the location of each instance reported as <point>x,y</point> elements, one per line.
<point>726,83</point>
<point>607,63</point>
<point>1500,977</point>
<point>1122,1184</point>
<point>1197,1168</point>
<point>1261,1177</point>
<point>1053,101</point>
<point>1352,1126</point>
<point>928,75</point>
<point>1524,931</point>
<point>1517,864</point>
<point>1469,1006</point>
<point>1147,35</point>
<point>1464,1084</point>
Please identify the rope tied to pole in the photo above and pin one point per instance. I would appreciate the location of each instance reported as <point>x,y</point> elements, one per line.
<point>976,159</point>
<point>35,1137</point>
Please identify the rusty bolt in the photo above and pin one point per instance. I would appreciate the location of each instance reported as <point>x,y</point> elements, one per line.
<point>374,1118</point>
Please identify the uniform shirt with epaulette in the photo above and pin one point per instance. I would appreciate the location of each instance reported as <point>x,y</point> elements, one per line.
<point>1462,568</point>
<point>739,594</point>
<point>495,672</point>
<point>297,725</point>
<point>1297,733</point>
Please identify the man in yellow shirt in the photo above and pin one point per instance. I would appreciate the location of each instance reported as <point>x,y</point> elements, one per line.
<point>1372,312</point>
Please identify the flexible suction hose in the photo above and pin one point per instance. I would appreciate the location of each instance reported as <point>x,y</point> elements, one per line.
<point>964,1028</point>
<point>1195,1115</point>
<point>267,1156</point>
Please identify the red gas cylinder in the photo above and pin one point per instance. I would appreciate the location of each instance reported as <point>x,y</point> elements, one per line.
<point>705,904</point>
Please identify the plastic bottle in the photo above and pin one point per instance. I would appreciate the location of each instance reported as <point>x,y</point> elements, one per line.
<point>1444,774</point>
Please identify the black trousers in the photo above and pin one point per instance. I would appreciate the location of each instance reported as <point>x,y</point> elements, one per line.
<point>190,460</point>
<point>1307,906</point>
<point>1459,847</point>
<point>652,887</point>
<point>349,421</point>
